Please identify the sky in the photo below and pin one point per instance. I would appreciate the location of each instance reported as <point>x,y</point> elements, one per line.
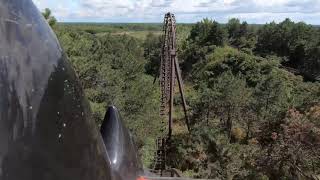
<point>186,11</point>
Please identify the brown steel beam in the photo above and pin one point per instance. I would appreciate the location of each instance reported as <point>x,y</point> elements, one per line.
<point>172,56</point>
<point>181,87</point>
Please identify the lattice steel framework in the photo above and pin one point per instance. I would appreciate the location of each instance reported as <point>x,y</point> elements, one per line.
<point>170,72</point>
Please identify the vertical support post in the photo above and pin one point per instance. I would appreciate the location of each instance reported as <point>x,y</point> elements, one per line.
<point>180,82</point>
<point>172,78</point>
<point>169,70</point>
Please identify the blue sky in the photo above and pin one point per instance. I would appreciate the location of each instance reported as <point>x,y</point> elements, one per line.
<point>186,11</point>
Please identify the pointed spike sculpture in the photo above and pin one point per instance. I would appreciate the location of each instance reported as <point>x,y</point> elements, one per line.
<point>120,147</point>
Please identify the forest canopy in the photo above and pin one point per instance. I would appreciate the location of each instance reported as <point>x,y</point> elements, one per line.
<point>252,90</point>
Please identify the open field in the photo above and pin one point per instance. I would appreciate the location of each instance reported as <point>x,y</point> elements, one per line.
<point>136,30</point>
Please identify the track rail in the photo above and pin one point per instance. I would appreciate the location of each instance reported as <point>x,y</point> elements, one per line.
<point>170,71</point>
<point>171,178</point>
<point>169,75</point>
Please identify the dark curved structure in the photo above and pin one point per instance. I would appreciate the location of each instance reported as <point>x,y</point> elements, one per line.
<point>122,152</point>
<point>46,129</point>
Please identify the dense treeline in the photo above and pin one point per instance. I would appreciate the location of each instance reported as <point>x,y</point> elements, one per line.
<point>111,69</point>
<point>297,43</point>
<point>251,117</point>
<point>109,28</point>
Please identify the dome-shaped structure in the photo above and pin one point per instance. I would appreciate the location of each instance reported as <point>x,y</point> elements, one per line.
<point>46,129</point>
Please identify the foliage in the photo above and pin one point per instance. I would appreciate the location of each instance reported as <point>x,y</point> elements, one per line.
<point>241,122</point>
<point>49,18</point>
<point>152,51</point>
<point>240,34</point>
<point>111,70</point>
<point>298,43</point>
<point>252,116</point>
<point>204,36</point>
<point>293,149</point>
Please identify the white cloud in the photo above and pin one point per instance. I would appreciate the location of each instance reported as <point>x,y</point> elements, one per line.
<point>39,3</point>
<point>186,10</point>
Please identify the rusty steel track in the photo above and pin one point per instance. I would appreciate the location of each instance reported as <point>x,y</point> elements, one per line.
<point>169,75</point>
<point>170,72</point>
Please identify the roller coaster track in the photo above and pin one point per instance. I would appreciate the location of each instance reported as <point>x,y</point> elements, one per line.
<point>170,71</point>
<point>169,74</point>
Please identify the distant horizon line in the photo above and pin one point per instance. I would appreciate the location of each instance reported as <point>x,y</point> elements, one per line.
<point>90,22</point>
